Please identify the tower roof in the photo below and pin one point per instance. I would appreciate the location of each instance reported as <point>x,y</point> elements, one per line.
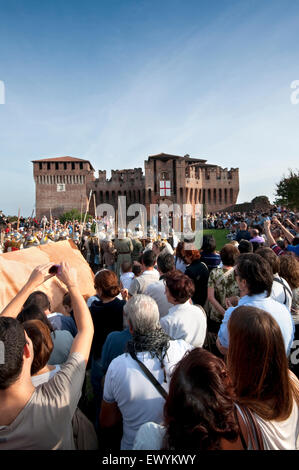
<point>166,156</point>
<point>62,159</point>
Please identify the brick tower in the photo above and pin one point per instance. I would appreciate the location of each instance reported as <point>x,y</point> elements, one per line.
<point>61,184</point>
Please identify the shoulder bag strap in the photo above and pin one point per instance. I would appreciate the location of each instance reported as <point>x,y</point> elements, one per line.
<point>285,288</point>
<point>252,425</point>
<point>150,376</point>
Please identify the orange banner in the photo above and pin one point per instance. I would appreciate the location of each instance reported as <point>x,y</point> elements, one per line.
<point>16,267</point>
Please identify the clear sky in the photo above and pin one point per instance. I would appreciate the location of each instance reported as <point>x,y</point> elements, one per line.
<point>114,81</point>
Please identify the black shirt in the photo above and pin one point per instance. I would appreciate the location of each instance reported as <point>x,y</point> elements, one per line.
<point>106,317</point>
<point>199,273</point>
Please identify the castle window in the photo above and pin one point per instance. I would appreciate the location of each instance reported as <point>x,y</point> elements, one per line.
<point>81,166</point>
<point>56,166</point>
<point>73,165</point>
<point>48,166</point>
<point>40,166</point>
<point>64,166</point>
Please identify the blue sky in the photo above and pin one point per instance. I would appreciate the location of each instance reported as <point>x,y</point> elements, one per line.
<point>115,81</point>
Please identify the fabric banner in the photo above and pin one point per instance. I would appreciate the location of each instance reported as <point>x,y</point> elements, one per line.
<point>16,267</point>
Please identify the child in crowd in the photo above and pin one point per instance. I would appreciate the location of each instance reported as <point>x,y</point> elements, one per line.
<point>127,275</point>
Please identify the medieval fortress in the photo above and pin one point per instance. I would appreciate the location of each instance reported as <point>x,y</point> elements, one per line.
<point>65,183</point>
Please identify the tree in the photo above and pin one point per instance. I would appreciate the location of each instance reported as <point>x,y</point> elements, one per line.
<point>287,191</point>
<point>73,214</point>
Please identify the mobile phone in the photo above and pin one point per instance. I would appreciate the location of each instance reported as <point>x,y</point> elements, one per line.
<point>55,269</point>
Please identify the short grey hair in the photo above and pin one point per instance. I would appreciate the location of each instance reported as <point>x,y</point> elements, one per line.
<point>143,314</point>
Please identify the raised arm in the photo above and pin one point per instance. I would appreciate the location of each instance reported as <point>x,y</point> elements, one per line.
<point>83,339</point>
<point>287,234</point>
<point>38,276</point>
<point>268,233</point>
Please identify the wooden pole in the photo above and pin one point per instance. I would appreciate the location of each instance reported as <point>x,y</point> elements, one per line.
<point>87,208</point>
<point>95,213</point>
<point>18,224</point>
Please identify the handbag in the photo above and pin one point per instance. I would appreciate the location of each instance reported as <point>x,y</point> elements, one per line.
<point>150,376</point>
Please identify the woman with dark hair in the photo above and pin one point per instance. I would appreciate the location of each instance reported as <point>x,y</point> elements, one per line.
<point>199,274</point>
<point>265,385</point>
<point>179,258</point>
<point>209,256</point>
<point>199,412</point>
<point>184,320</point>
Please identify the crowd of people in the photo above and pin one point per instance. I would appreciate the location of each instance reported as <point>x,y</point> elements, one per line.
<point>179,348</point>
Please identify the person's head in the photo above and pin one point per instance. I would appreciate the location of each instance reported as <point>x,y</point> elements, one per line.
<point>67,303</point>
<point>34,312</point>
<point>253,274</point>
<point>137,269</point>
<point>289,270</point>
<point>158,246</point>
<point>243,226</point>
<point>40,336</point>
<point>165,263</point>
<point>257,363</point>
<point>256,245</point>
<point>208,244</point>
<point>178,287</point>
<point>254,232</point>
<point>17,351</point>
<point>191,255</point>
<point>180,250</point>
<point>142,314</point>
<point>40,299</point>
<point>229,254</point>
<point>269,255</point>
<point>106,284</point>
<point>245,246</point>
<point>126,267</point>
<point>198,412</point>
<point>148,259</point>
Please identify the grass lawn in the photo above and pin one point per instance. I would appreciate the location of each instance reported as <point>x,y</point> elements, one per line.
<point>219,235</point>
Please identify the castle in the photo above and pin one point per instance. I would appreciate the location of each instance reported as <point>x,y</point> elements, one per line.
<point>65,183</point>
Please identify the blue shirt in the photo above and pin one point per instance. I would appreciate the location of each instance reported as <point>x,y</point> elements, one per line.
<point>113,347</point>
<point>61,322</point>
<point>278,311</point>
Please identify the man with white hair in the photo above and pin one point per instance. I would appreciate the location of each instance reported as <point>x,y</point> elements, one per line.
<point>128,393</point>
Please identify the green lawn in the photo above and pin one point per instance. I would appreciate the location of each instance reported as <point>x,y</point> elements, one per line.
<point>219,235</point>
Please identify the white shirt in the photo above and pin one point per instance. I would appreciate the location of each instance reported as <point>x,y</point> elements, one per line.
<point>136,397</point>
<point>280,293</point>
<point>45,377</point>
<point>126,279</point>
<point>157,292</point>
<point>186,321</point>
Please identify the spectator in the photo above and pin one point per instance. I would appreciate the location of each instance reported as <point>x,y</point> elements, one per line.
<point>27,414</point>
<point>149,275</point>
<point>222,285</point>
<point>209,256</point>
<point>289,270</point>
<point>255,279</point>
<point>245,246</point>
<point>184,320</point>
<point>62,339</point>
<point>281,290</point>
<point>107,316</point>
<point>199,412</point>
<point>127,275</point>
<point>243,233</point>
<point>128,392</point>
<point>179,258</point>
<point>165,265</point>
<point>199,273</point>
<point>265,385</point>
<point>58,320</point>
<point>255,237</point>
